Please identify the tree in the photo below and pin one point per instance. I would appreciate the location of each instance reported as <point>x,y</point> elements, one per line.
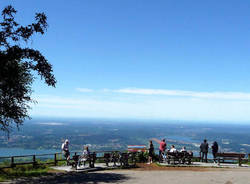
<point>17,62</point>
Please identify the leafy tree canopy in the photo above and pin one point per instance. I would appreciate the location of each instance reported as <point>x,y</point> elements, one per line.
<point>17,62</point>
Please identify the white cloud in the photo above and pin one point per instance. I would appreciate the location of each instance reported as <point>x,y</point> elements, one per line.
<point>84,90</point>
<point>194,94</point>
<point>118,105</point>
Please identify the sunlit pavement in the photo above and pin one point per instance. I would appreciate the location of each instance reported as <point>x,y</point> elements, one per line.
<point>98,166</point>
<point>102,166</point>
<point>203,164</point>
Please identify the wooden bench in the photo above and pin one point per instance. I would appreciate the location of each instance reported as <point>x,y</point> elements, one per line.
<point>225,157</point>
<point>91,159</point>
<point>179,157</point>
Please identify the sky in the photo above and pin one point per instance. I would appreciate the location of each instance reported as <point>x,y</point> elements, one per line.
<point>163,59</point>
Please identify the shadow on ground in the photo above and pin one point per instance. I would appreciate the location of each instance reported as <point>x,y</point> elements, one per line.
<point>93,178</point>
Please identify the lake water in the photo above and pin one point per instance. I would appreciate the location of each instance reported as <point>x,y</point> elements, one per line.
<point>6,152</point>
<point>182,138</point>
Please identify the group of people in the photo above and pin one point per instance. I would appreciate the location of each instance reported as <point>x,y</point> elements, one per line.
<point>84,157</point>
<point>162,149</point>
<point>163,146</point>
<point>204,150</point>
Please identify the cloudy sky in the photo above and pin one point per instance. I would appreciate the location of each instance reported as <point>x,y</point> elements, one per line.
<point>163,59</point>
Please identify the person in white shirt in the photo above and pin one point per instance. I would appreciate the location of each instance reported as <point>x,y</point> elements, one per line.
<point>65,150</point>
<point>173,150</point>
<point>85,155</point>
<point>183,149</point>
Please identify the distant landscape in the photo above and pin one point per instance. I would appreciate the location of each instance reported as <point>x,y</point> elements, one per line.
<point>47,135</point>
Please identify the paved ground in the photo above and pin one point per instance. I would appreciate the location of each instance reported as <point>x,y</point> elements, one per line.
<point>100,166</point>
<point>223,165</point>
<point>182,177</point>
<point>149,174</point>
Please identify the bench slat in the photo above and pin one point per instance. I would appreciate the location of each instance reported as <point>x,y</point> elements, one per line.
<point>236,155</point>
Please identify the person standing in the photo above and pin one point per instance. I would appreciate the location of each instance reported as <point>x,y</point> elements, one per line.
<point>215,149</point>
<point>162,149</point>
<point>150,152</point>
<point>65,150</point>
<point>204,150</point>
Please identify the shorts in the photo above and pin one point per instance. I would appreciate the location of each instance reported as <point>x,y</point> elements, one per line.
<point>150,153</point>
<point>66,153</point>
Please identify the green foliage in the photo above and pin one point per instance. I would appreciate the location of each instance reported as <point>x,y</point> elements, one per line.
<point>16,66</point>
<point>23,171</point>
<point>5,163</point>
<point>143,157</point>
<point>195,159</point>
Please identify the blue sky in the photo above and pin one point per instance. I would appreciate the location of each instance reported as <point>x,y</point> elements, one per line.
<point>165,59</point>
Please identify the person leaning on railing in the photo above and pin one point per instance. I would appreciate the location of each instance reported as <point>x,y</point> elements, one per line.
<point>65,150</point>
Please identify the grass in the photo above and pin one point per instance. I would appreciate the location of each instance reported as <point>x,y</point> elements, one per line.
<point>24,171</point>
<point>248,162</point>
<point>42,168</point>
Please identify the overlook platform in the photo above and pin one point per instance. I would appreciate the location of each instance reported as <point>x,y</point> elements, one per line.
<point>102,166</point>
<point>203,164</point>
<point>98,166</point>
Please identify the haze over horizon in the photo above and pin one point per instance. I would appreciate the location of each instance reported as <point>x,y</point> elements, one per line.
<point>180,60</point>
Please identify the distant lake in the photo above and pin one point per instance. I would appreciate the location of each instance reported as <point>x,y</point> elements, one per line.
<point>182,138</point>
<point>7,152</point>
<point>19,151</point>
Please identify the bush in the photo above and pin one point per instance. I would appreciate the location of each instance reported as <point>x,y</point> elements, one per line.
<point>143,157</point>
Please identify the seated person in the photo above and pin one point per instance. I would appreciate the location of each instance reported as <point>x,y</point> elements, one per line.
<point>183,149</point>
<point>85,155</point>
<point>173,150</point>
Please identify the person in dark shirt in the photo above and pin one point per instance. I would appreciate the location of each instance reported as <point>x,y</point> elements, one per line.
<point>204,150</point>
<point>150,152</point>
<point>215,149</point>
